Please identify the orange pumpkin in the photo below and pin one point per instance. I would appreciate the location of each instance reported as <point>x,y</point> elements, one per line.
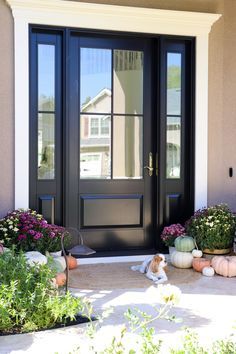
<point>72,262</point>
<point>200,263</point>
<point>61,279</point>
<point>225,266</point>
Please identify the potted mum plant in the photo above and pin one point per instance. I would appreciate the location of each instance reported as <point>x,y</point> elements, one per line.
<point>213,229</point>
<point>28,231</point>
<point>170,233</point>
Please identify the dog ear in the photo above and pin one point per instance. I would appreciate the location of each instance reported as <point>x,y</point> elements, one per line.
<point>155,263</point>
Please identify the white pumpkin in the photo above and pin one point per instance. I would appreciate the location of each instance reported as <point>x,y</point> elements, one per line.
<point>35,257</point>
<point>208,271</point>
<point>197,253</point>
<point>182,259</point>
<point>60,263</point>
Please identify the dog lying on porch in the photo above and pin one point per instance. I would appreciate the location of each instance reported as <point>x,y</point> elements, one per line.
<point>153,268</point>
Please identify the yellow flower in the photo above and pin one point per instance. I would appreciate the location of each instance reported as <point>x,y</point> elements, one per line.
<point>169,294</point>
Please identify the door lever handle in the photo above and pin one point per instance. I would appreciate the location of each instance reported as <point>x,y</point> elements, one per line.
<point>150,167</point>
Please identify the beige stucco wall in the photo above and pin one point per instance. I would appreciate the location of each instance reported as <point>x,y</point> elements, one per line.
<point>6,111</point>
<point>222,102</point>
<point>222,108</point>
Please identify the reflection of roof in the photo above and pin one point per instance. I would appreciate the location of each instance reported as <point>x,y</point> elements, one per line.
<point>95,142</point>
<point>103,92</point>
<point>173,100</point>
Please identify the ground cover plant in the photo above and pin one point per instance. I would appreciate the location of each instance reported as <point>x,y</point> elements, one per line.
<point>29,299</point>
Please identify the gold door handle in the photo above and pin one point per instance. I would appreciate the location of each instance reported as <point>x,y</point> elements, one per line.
<point>150,167</point>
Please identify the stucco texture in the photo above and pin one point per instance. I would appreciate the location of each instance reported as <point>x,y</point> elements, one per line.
<point>6,110</point>
<point>222,102</point>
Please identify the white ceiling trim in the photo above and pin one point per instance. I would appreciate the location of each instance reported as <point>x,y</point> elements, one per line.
<point>112,17</point>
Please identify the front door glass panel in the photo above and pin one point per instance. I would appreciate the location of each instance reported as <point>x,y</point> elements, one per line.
<point>111,113</point>
<point>127,147</point>
<point>128,82</point>
<point>95,146</point>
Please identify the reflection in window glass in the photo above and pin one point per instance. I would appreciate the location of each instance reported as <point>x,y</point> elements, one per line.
<point>128,147</point>
<point>95,146</point>
<point>46,77</point>
<point>173,150</point>
<point>128,82</point>
<point>95,78</point>
<point>46,146</point>
<point>173,83</point>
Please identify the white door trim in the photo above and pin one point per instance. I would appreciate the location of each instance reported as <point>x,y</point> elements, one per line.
<point>107,17</point>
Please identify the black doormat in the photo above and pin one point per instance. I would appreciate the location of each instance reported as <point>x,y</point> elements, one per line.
<point>79,319</point>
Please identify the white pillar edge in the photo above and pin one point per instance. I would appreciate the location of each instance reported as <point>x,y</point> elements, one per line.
<point>201,123</point>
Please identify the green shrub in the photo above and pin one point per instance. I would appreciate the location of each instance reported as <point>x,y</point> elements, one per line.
<point>212,227</point>
<point>28,298</point>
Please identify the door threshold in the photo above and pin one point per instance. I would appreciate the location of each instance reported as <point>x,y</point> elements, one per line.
<point>116,257</point>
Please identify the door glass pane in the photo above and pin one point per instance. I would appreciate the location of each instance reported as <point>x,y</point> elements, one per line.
<point>95,79</point>
<point>173,83</point>
<point>46,77</point>
<point>127,147</point>
<point>95,146</point>
<point>173,144</point>
<point>46,146</point>
<point>128,82</point>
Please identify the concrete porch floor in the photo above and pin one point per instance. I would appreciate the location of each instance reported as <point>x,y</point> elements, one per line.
<point>207,306</point>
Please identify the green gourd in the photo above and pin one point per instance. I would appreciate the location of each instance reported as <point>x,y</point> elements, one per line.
<point>184,243</point>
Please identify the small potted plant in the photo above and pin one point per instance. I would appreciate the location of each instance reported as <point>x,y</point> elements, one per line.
<point>29,231</point>
<point>213,229</point>
<point>170,233</point>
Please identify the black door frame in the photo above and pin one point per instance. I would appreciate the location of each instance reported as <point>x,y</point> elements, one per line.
<point>41,197</point>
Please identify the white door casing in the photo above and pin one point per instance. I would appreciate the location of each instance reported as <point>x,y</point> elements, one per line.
<point>116,18</point>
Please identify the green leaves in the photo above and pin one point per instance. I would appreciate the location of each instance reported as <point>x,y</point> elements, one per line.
<point>212,227</point>
<point>28,299</point>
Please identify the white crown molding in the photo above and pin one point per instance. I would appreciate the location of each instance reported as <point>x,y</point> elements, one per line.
<point>113,17</point>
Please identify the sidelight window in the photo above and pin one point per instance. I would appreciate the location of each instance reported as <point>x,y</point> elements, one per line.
<point>173,117</point>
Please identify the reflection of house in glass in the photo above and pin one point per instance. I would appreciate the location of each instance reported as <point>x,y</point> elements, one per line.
<point>173,133</point>
<point>95,131</point>
<point>124,103</point>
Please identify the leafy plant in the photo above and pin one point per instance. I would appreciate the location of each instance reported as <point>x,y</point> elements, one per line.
<point>212,227</point>
<point>29,299</point>
<point>170,233</point>
<point>139,324</point>
<point>29,231</point>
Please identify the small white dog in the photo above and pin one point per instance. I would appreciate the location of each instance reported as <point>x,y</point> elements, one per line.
<point>153,267</point>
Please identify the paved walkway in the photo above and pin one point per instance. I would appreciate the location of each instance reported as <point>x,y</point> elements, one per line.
<point>207,305</point>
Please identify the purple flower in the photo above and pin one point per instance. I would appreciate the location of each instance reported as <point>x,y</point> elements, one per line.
<point>21,237</point>
<point>38,235</point>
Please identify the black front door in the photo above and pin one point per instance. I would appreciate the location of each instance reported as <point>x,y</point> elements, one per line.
<point>110,142</point>
<point>111,135</point>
